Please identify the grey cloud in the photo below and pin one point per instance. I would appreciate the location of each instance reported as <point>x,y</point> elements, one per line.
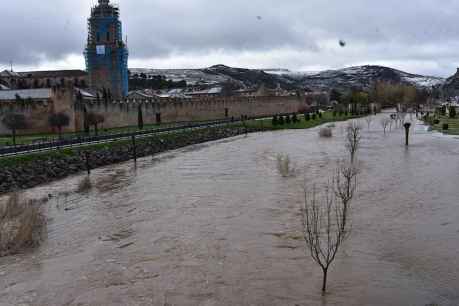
<point>421,35</point>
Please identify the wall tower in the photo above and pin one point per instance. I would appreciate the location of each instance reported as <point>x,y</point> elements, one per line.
<point>106,53</point>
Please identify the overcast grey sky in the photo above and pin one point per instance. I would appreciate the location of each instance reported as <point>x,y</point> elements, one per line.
<point>419,36</point>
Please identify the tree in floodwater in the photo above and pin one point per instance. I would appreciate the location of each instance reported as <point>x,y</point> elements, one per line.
<point>369,120</point>
<point>353,138</point>
<point>385,123</point>
<point>324,231</point>
<point>345,186</point>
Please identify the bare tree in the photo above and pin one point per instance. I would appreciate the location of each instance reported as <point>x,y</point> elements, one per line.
<point>400,119</point>
<point>345,185</point>
<point>384,123</point>
<point>353,138</point>
<point>323,228</point>
<point>369,120</point>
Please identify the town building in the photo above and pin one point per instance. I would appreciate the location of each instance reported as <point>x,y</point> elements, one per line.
<point>43,79</point>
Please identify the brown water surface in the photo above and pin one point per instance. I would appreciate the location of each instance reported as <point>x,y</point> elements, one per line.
<point>216,224</point>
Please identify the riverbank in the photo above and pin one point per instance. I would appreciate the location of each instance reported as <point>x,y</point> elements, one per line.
<point>453,125</point>
<point>27,171</point>
<point>30,170</point>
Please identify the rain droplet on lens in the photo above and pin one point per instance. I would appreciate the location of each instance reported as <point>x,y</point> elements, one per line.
<point>342,43</point>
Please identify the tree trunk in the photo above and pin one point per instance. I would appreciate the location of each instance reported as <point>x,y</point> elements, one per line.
<point>324,283</point>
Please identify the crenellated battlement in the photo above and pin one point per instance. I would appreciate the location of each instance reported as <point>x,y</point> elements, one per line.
<point>216,100</point>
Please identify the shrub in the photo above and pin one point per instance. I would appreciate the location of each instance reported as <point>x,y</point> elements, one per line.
<point>59,120</point>
<point>320,115</point>
<point>295,118</point>
<point>288,120</point>
<point>22,225</point>
<point>326,132</point>
<point>452,112</point>
<point>284,165</point>
<point>335,113</point>
<point>445,127</point>
<point>307,117</point>
<point>436,121</point>
<point>85,185</point>
<point>275,120</point>
<point>281,120</point>
<point>314,116</point>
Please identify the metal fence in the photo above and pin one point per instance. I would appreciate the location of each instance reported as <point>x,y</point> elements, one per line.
<point>86,140</point>
<point>81,140</point>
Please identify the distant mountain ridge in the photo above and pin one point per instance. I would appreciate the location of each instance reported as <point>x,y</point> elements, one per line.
<point>362,77</point>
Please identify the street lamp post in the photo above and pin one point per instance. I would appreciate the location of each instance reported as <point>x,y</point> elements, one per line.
<point>407,132</point>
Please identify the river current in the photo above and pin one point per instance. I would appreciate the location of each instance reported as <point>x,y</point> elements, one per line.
<point>216,224</point>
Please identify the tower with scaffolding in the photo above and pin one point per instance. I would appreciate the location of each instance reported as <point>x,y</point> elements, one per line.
<point>106,53</point>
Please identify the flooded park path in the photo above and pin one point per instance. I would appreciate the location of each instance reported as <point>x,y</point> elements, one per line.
<point>215,224</point>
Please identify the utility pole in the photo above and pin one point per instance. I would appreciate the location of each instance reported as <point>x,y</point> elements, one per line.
<point>11,66</point>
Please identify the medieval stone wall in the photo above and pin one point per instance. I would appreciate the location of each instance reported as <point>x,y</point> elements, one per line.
<point>125,113</point>
<point>37,112</point>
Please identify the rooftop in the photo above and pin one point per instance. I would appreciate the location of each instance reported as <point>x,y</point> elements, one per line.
<point>7,73</point>
<point>41,93</point>
<point>53,73</point>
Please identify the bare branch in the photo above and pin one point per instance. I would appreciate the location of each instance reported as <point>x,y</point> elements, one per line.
<point>353,138</point>
<point>324,230</point>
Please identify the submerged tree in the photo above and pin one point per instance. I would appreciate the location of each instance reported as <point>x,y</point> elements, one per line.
<point>369,120</point>
<point>324,230</point>
<point>14,122</point>
<point>353,138</point>
<point>345,186</point>
<point>385,123</point>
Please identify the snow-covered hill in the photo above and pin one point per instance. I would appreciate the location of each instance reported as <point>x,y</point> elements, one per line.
<point>363,77</point>
<point>358,77</point>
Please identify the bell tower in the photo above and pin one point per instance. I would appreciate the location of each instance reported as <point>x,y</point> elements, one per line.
<point>106,53</point>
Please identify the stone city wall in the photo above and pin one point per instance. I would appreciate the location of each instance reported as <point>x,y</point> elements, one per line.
<point>125,113</point>
<point>37,111</point>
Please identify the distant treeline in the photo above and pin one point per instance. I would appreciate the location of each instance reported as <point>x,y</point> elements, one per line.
<point>143,81</point>
<point>386,94</point>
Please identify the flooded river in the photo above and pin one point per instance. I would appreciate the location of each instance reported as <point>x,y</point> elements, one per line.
<point>216,224</point>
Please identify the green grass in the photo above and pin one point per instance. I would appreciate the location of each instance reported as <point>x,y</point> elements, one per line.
<point>32,157</point>
<point>453,125</point>
<point>302,124</point>
<point>6,140</point>
<point>30,138</point>
<point>265,124</point>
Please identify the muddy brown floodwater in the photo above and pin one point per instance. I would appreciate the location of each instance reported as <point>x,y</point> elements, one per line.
<point>216,224</point>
